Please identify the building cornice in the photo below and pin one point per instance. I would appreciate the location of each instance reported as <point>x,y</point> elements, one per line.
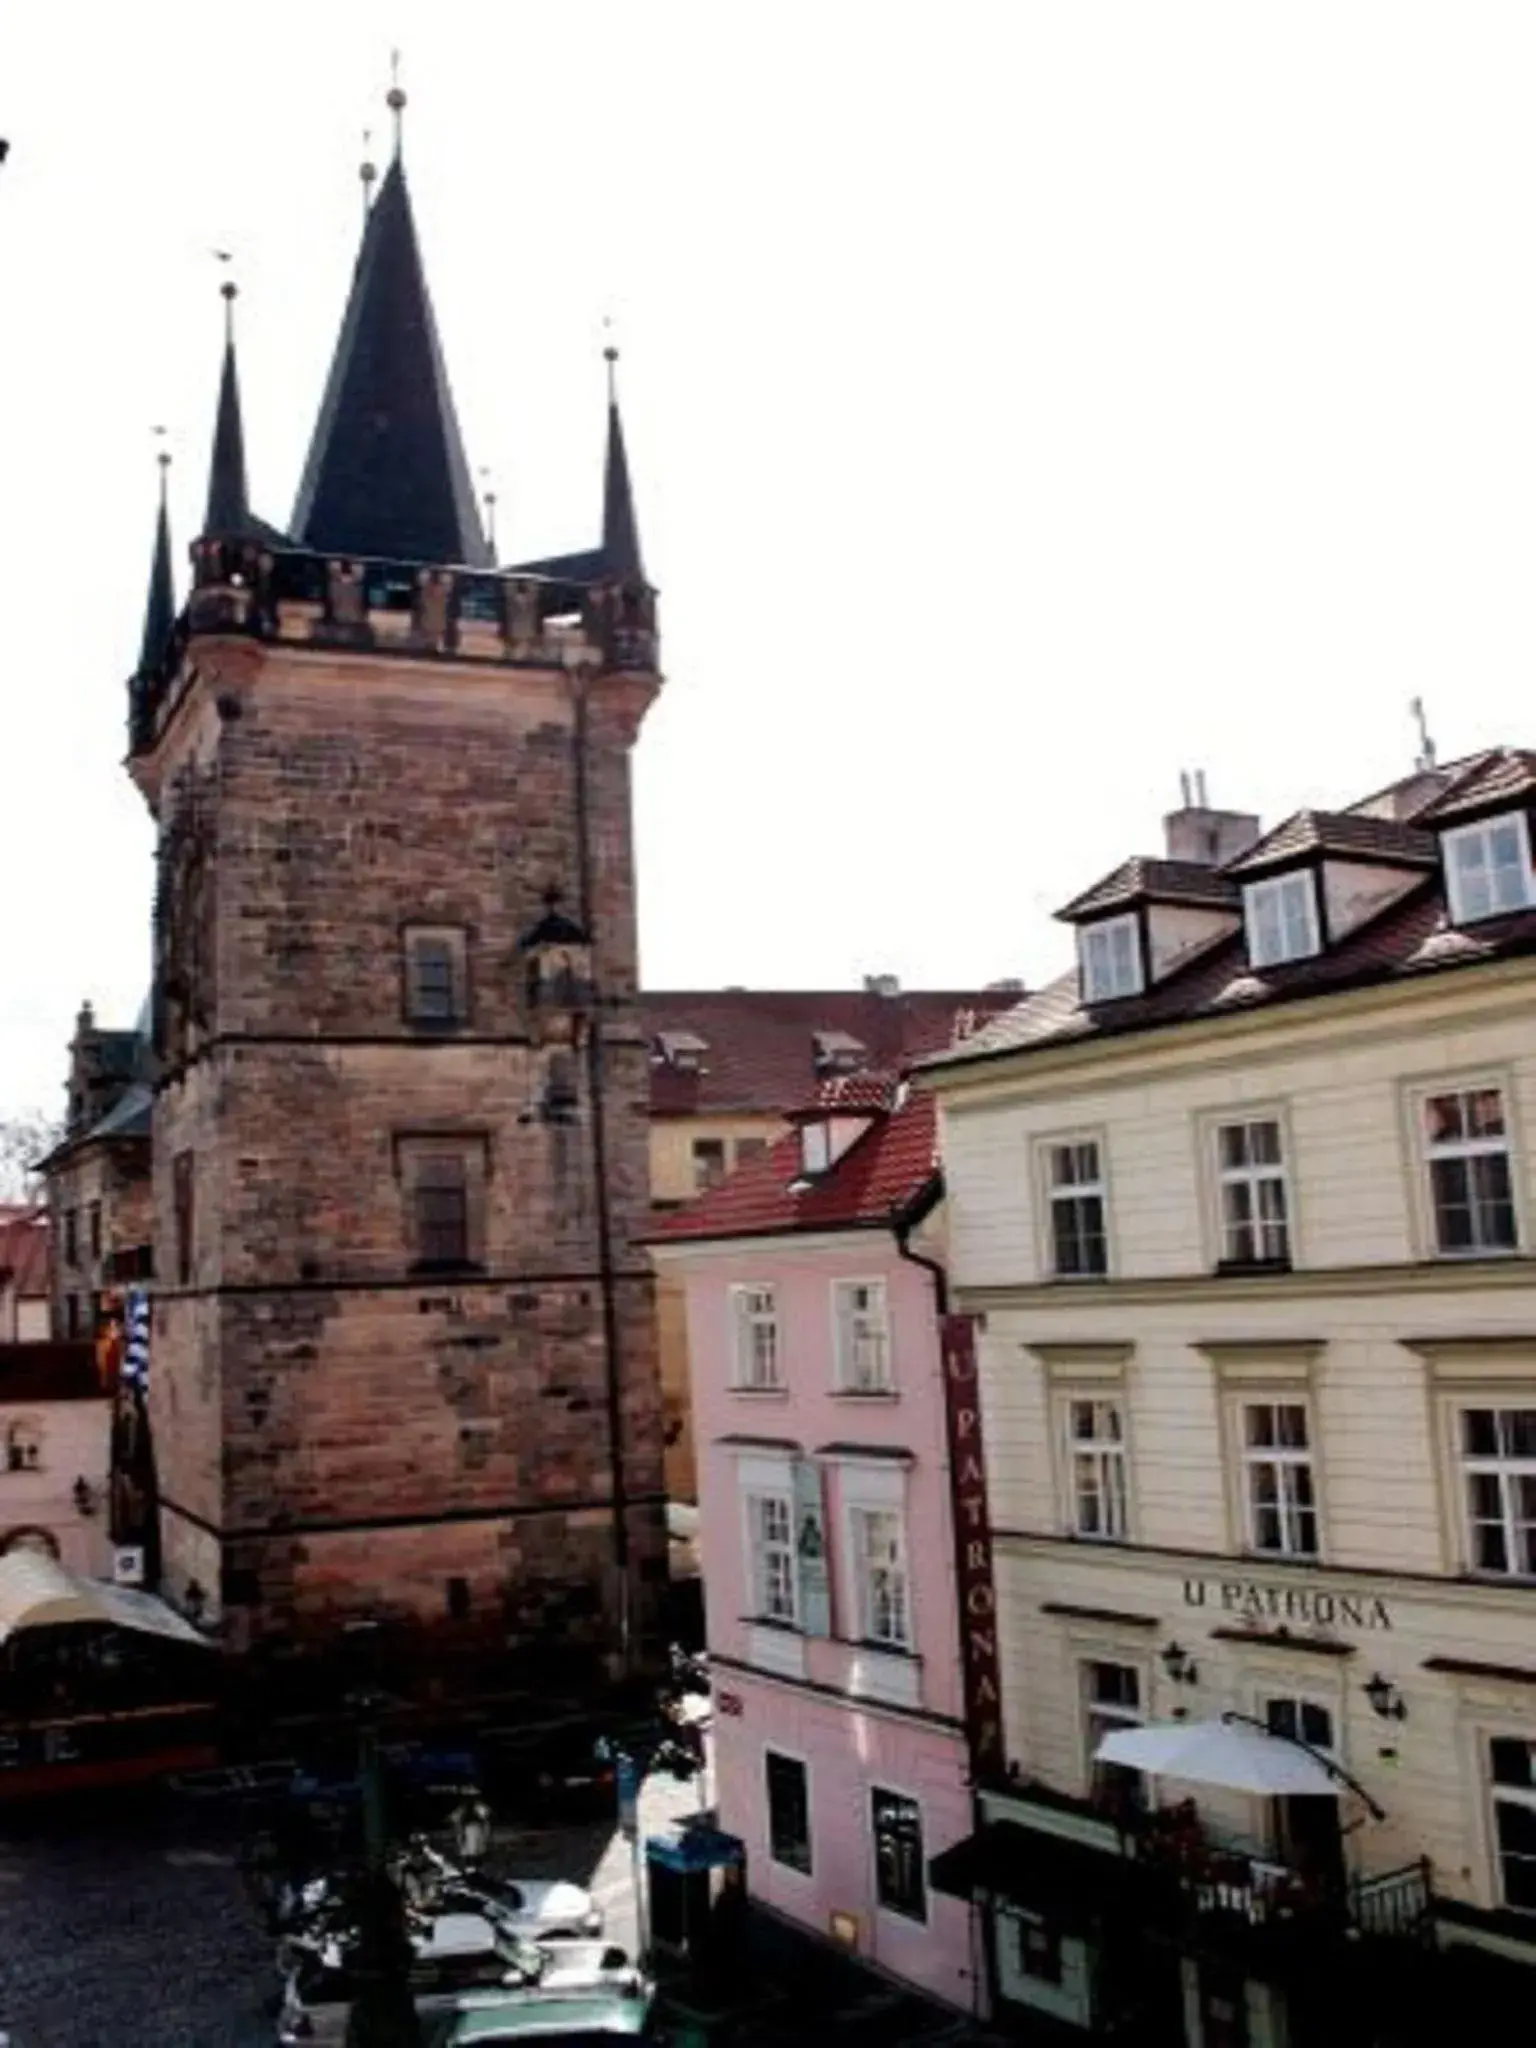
<point>1078,1299</point>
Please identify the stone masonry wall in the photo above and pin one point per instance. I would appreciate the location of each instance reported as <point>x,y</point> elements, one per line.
<point>360,1436</point>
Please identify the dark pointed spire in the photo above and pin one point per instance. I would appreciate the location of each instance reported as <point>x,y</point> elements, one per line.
<point>228,516</point>
<point>386,473</point>
<point>160,606</point>
<point>621,533</point>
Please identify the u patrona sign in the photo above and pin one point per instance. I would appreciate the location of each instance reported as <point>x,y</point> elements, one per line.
<point>973,1548</point>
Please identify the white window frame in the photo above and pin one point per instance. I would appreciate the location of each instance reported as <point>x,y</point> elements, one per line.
<point>1109,969</point>
<point>1271,1694</point>
<point>869,1327</point>
<point>892,1791</point>
<point>1108,1713</point>
<point>1514,1795</point>
<point>1481,834</point>
<point>1253,1177</point>
<point>1507,1470</point>
<point>863,1569</point>
<point>1108,1456</point>
<point>1269,897</point>
<point>755,1498</point>
<point>815,1147</point>
<point>1052,1194</point>
<point>750,1324</point>
<point>1429,1151</point>
<point>1284,1459</point>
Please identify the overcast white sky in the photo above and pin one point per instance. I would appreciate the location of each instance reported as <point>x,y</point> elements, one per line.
<point>1025,402</point>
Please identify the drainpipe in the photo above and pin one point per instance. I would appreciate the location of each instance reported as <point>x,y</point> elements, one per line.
<point>613,1359</point>
<point>901,1229</point>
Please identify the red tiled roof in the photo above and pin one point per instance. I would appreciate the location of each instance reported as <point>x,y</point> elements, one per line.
<point>1143,880</point>
<point>883,1171</point>
<point>761,1049</point>
<point>49,1371</point>
<point>24,1251</point>
<point>1342,832</point>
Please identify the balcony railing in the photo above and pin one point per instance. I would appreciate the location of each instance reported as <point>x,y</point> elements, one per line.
<point>1212,1885</point>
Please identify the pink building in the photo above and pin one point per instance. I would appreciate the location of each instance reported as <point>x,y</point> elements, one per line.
<point>825,1527</point>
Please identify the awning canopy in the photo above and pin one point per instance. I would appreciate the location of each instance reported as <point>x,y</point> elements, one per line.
<point>1071,1881</point>
<point>37,1592</point>
<point>1224,1753</point>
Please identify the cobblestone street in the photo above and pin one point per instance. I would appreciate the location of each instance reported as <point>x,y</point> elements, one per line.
<point>131,1927</point>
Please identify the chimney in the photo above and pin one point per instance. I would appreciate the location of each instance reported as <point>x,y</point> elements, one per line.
<point>882,985</point>
<point>1195,832</point>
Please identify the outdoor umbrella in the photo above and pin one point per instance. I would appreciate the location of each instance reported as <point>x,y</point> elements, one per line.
<point>1218,1753</point>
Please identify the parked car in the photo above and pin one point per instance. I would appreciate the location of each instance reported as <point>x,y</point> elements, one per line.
<point>575,2022</point>
<point>462,1961</point>
<point>539,1909</point>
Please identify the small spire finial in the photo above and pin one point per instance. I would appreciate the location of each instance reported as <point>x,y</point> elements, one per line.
<point>610,357</point>
<point>229,291</point>
<point>488,499</point>
<point>163,458</point>
<point>394,99</point>
<point>367,171</point>
<point>1426,759</point>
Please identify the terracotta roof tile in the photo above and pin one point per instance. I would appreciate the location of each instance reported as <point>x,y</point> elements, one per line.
<point>1339,832</point>
<point>760,1044</point>
<point>1144,880</point>
<point>883,1171</point>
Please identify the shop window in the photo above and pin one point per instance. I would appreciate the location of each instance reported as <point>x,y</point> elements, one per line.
<point>1513,1763</point>
<point>1039,1949</point>
<point>1112,1700</point>
<point>897,1823</point>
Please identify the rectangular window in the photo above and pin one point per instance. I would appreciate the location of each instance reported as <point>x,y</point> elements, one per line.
<point>182,1197</point>
<point>442,1210</point>
<point>1096,1455</point>
<point>1109,957</point>
<point>879,1547</point>
<point>1466,1149</point>
<point>1079,1242</point>
<point>757,1339</point>
<point>1255,1225</point>
<point>708,1163</point>
<point>789,1812</point>
<point>1300,1721</point>
<point>1281,916</point>
<point>770,1523</point>
<point>897,1823</point>
<point>435,977</point>
<point>863,1337</point>
<point>1039,1949</point>
<point>71,1243</point>
<point>1488,868</point>
<point>1111,1700</point>
<point>1513,1771</point>
<point>95,1229</point>
<point>1498,1460</point>
<point>1277,1478</point>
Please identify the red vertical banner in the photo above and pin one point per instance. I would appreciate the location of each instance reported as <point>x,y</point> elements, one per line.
<point>975,1594</point>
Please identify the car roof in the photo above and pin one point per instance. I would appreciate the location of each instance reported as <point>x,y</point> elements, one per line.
<point>533,2019</point>
<point>455,1934</point>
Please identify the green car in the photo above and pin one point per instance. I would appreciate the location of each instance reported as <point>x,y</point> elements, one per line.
<point>575,2021</point>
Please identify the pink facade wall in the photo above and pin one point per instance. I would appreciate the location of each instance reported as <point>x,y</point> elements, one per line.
<point>848,1744</point>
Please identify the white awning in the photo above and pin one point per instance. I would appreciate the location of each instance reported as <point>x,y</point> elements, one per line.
<point>37,1592</point>
<point>1224,1753</point>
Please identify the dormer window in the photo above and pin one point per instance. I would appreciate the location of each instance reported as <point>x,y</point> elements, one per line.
<point>838,1052</point>
<point>1281,915</point>
<point>815,1148</point>
<point>1488,868</point>
<point>682,1051</point>
<point>1109,959</point>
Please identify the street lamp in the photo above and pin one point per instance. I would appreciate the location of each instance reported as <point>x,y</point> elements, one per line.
<point>1385,1698</point>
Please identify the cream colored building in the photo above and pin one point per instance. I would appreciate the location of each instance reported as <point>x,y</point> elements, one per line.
<point>1247,1205</point>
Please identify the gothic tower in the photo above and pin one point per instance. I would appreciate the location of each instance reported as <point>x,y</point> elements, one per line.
<point>403,1362</point>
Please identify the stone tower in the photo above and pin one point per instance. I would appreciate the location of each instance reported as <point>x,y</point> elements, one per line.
<point>403,1362</point>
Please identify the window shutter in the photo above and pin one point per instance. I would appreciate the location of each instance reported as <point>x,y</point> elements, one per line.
<point>815,1591</point>
<point>740,1363</point>
<point>845,1367</point>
